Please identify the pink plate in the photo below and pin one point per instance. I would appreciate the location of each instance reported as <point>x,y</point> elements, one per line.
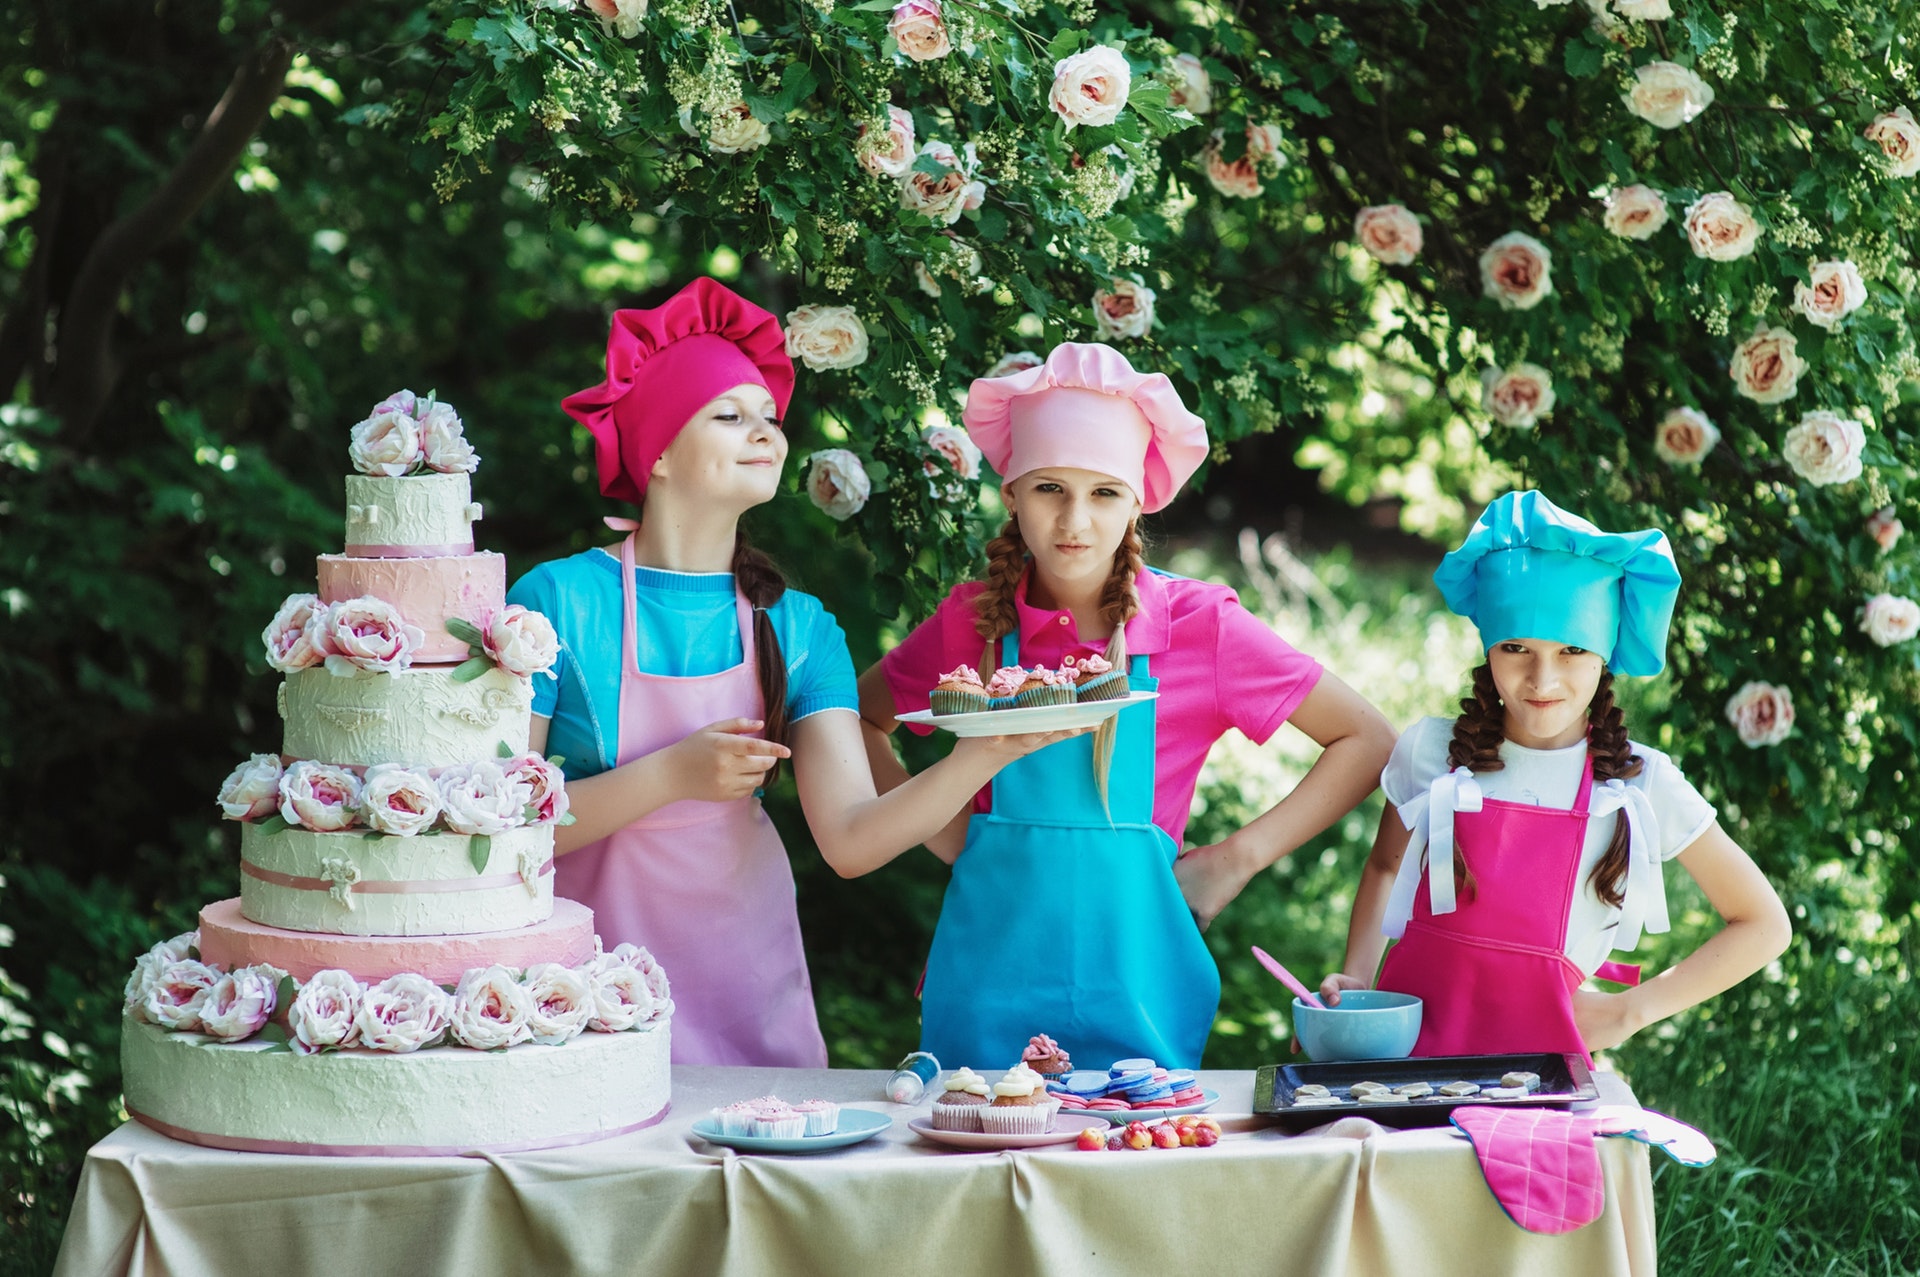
<point>1066,1127</point>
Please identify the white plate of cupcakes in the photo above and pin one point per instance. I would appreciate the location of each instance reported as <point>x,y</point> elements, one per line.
<point>1020,700</point>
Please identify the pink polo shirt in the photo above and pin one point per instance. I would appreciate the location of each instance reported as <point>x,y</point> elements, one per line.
<point>1219,667</point>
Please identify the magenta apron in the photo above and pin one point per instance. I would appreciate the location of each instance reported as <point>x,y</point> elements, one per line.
<point>1491,968</point>
<point>704,885</point>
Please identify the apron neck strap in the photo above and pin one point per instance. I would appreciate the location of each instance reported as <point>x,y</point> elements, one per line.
<point>629,636</point>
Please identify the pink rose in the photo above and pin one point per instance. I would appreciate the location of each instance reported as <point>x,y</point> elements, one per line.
<point>398,799</point>
<point>176,994</point>
<point>148,967</point>
<point>319,796</point>
<point>520,641</point>
<point>491,1010</point>
<point>1721,228</point>
<point>324,1013</point>
<point>403,1013</point>
<point>404,402</point>
<point>642,961</point>
<point>479,798</point>
<point>621,17</point>
<point>954,447</point>
<point>945,197</point>
<point>1898,137</point>
<point>1238,179</point>
<point>1516,271</point>
<point>1889,618</point>
<point>1766,367</point>
<point>252,790</point>
<point>387,443</point>
<point>919,29</point>
<point>545,785</point>
<point>1013,362</point>
<point>1123,310</point>
<point>1188,84</point>
<point>562,1003</point>
<point>1518,396</point>
<point>1825,448</point>
<point>239,1004</point>
<point>1884,527</point>
<point>1635,212</point>
<point>837,483</point>
<point>290,636</point>
<point>620,999</point>
<point>1644,10</point>
<point>1684,437</point>
<point>1389,233</point>
<point>1090,87</point>
<point>1833,291</point>
<point>1761,713</point>
<point>1667,95</point>
<point>889,154</point>
<point>367,634</point>
<point>443,442</point>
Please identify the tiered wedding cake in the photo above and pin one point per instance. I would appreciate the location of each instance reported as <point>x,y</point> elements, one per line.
<point>396,976</point>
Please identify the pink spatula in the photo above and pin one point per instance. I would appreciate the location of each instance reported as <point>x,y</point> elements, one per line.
<point>1287,978</point>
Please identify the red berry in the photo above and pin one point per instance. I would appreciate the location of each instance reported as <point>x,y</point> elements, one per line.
<point>1115,1143</point>
<point>1205,1137</point>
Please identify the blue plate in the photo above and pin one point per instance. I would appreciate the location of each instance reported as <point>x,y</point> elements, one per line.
<point>1120,1117</point>
<point>855,1125</point>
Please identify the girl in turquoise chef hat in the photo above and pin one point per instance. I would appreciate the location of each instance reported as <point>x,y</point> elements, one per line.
<point>1527,835</point>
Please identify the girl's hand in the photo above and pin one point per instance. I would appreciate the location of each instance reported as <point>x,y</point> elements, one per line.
<point>1338,983</point>
<point>1604,1019</point>
<point>722,761</point>
<point>1210,877</point>
<point>997,751</point>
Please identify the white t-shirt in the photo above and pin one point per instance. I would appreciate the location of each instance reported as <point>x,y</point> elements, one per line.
<point>1551,778</point>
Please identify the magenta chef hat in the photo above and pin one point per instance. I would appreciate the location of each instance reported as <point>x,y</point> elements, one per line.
<point>1086,408</point>
<point>662,364</point>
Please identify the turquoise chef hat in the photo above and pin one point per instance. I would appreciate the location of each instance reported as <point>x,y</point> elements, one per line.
<point>1528,569</point>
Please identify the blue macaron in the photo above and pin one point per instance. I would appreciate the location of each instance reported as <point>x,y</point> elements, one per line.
<point>1131,1066</point>
<point>1128,1080</point>
<point>1151,1091</point>
<point>1180,1079</point>
<point>1084,1082</point>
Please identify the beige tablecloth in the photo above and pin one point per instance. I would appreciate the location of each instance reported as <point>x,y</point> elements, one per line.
<point>665,1202</point>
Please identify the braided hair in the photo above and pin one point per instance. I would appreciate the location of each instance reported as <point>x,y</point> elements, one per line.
<point>1479,731</point>
<point>756,577</point>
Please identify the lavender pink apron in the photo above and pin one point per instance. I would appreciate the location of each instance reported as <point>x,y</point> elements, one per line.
<point>704,885</point>
<point>1493,973</point>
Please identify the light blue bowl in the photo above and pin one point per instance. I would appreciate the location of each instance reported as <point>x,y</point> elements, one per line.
<point>1369,1024</point>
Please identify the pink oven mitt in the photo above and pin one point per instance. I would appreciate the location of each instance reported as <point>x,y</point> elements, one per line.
<point>1543,1167</point>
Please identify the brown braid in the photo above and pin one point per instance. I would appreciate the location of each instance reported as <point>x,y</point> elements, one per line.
<point>761,582</point>
<point>994,613</point>
<point>1478,732</point>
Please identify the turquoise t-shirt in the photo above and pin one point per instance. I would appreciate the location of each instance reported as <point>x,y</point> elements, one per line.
<point>686,627</point>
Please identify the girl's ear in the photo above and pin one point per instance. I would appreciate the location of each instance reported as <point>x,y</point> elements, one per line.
<point>1007,500</point>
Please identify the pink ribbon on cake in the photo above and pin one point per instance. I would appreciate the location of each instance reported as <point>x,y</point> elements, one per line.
<point>243,1144</point>
<point>423,886</point>
<point>449,550</point>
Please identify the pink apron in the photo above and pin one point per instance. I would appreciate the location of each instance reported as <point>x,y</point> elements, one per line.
<point>704,885</point>
<point>1493,973</point>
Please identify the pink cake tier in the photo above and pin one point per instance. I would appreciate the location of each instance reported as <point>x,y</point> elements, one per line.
<point>229,940</point>
<point>426,592</point>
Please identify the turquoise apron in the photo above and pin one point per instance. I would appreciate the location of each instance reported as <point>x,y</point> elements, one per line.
<point>1060,921</point>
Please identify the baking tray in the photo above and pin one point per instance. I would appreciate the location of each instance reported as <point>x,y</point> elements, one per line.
<point>1564,1079</point>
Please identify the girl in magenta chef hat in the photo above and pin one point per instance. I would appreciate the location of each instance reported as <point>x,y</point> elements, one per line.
<point>688,672</point>
<point>1071,909</point>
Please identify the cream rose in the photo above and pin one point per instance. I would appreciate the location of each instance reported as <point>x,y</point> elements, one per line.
<point>1825,448</point>
<point>479,798</point>
<point>620,998</point>
<point>1761,713</point>
<point>1189,87</point>
<point>323,1013</point>
<point>562,1003</point>
<point>837,483</point>
<point>1635,212</point>
<point>398,799</point>
<point>953,446</point>
<point>621,17</point>
<point>824,337</point>
<point>1644,10</point>
<point>1888,619</point>
<point>1766,367</point>
<point>403,1013</point>
<point>1013,362</point>
<point>1885,528</point>
<point>148,967</point>
<point>1898,137</point>
<point>732,130</point>
<point>443,442</point>
<point>1124,310</point>
<point>491,1010</point>
<point>387,444</point>
<point>1516,271</point>
<point>252,790</point>
<point>291,637</point>
<point>1833,291</point>
<point>1236,179</point>
<point>1517,396</point>
<point>175,995</point>
<point>1667,95</point>
<point>1721,228</point>
<point>239,1004</point>
<point>654,974</point>
<point>1090,87</point>
<point>520,641</point>
<point>942,197</point>
<point>920,30</point>
<point>319,796</point>
<point>545,785</point>
<point>1389,233</point>
<point>889,154</point>
<point>924,280</point>
<point>1684,437</point>
<point>366,633</point>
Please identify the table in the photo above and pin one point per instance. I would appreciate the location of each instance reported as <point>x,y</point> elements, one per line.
<point>663,1201</point>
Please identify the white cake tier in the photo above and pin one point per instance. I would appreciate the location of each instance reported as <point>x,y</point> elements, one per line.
<point>418,716</point>
<point>420,886</point>
<point>443,1101</point>
<point>228,939</point>
<point>426,591</point>
<point>412,517</point>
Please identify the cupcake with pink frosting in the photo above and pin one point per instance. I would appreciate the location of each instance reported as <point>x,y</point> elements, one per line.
<point>823,1116</point>
<point>1098,680</point>
<point>1005,683</point>
<point>1043,686</point>
<point>1046,1057</point>
<point>960,692</point>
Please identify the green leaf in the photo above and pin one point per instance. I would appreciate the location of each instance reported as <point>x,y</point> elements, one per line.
<point>283,995</point>
<point>468,670</point>
<point>464,630</point>
<point>1583,60</point>
<point>557,760</point>
<point>503,749</point>
<point>567,819</point>
<point>273,824</point>
<point>460,31</point>
<point>372,835</point>
<point>1306,103</point>
<point>479,851</point>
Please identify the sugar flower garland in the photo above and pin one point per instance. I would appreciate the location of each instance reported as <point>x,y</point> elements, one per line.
<point>407,435</point>
<point>483,798</point>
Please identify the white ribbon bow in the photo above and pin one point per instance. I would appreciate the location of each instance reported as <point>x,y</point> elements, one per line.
<point>1429,821</point>
<point>1646,895</point>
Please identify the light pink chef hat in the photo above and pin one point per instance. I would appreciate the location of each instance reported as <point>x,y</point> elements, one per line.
<point>1086,408</point>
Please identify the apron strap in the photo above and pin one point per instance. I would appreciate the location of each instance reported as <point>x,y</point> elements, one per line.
<point>1429,821</point>
<point>1645,906</point>
<point>1618,972</point>
<point>629,639</point>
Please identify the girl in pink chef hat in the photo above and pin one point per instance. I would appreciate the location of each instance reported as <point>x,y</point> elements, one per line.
<point>688,672</point>
<point>1071,906</point>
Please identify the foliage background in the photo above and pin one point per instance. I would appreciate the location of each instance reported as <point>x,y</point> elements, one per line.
<point>386,201</point>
